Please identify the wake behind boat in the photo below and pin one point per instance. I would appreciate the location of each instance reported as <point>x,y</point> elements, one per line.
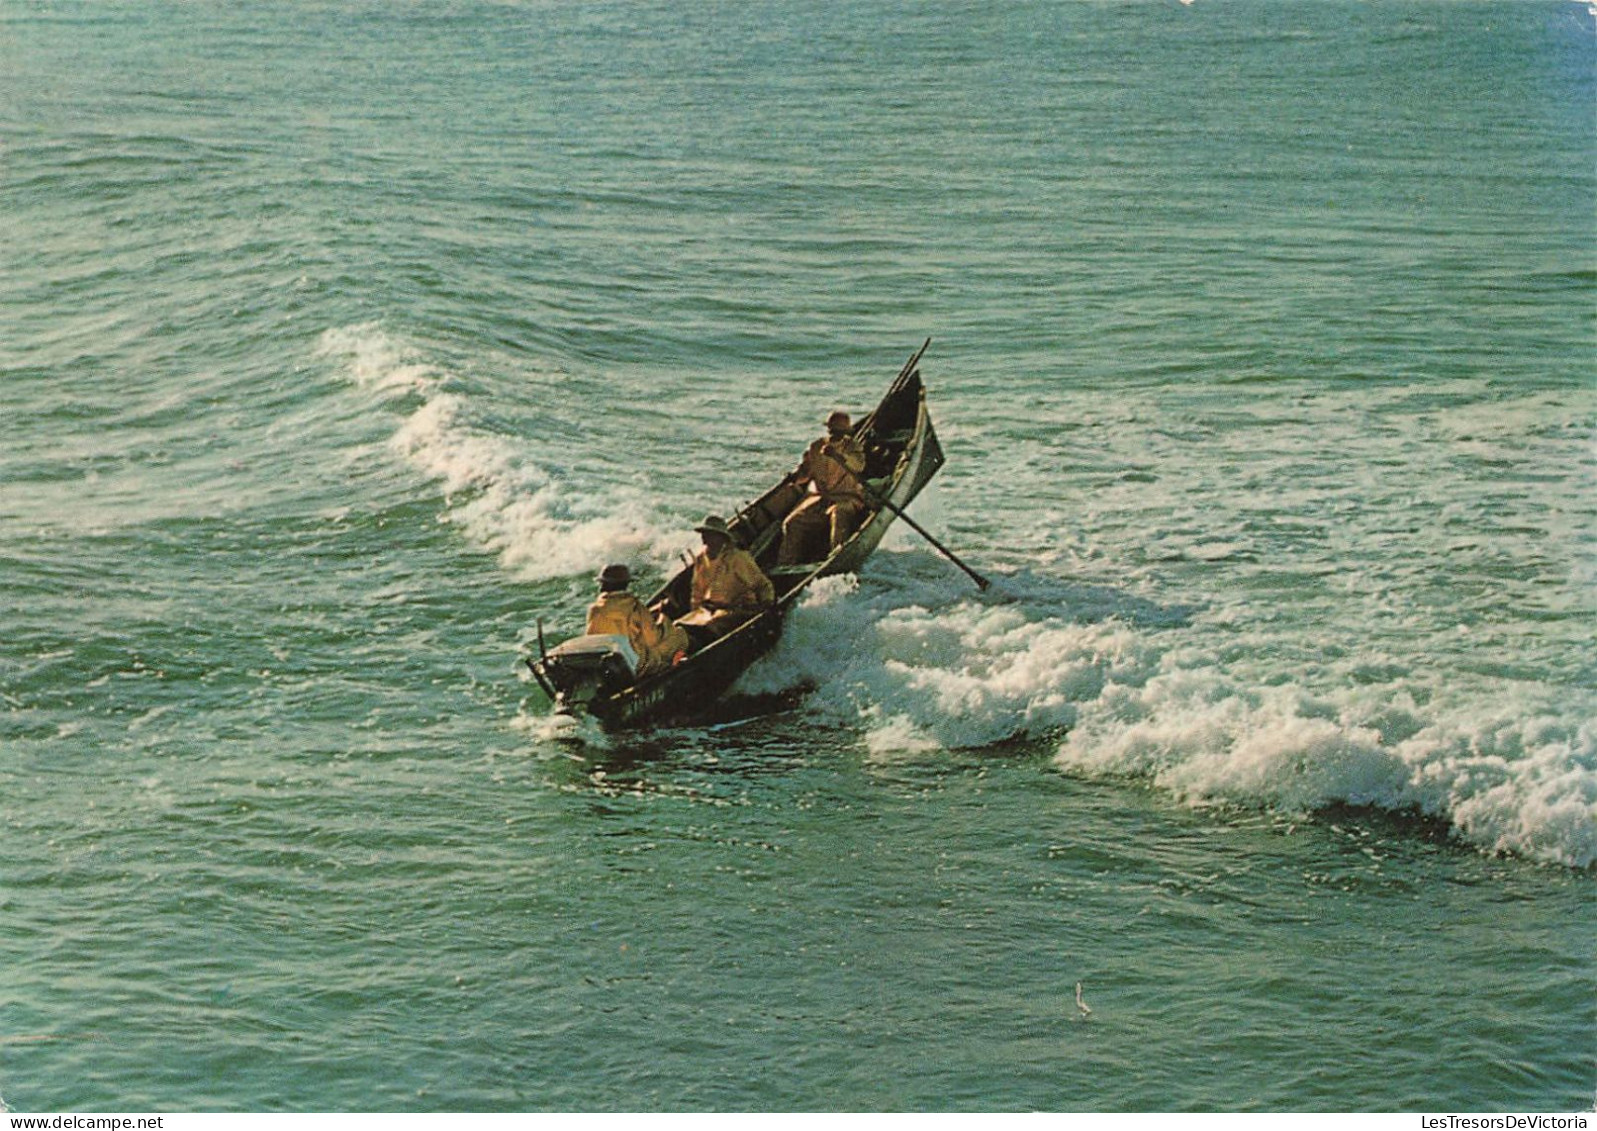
<point>597,674</point>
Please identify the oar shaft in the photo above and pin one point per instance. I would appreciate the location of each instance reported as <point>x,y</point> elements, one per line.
<point>882,501</point>
<point>909,366</point>
<point>981,582</point>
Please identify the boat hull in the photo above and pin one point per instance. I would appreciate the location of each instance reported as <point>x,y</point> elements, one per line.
<point>902,455</point>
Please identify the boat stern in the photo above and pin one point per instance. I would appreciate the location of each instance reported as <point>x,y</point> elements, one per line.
<point>583,669</point>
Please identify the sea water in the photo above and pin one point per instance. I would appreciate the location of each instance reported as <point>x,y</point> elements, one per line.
<point>342,343</point>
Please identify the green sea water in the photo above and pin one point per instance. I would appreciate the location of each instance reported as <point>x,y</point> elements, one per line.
<point>341,343</point>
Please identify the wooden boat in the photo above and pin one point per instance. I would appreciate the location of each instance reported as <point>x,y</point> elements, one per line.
<point>593,674</point>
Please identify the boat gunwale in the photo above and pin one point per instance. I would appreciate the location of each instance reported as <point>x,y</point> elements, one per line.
<point>639,703</point>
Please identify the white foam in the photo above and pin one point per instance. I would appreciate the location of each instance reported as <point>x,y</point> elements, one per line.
<point>512,507</point>
<point>922,665</point>
<point>1505,778</point>
<point>504,501</point>
<point>376,360</point>
<point>548,727</point>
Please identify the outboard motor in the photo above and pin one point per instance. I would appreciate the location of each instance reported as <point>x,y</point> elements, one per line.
<point>584,668</point>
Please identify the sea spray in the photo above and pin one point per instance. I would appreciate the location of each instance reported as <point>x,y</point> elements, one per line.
<point>924,664</point>
<point>568,733</point>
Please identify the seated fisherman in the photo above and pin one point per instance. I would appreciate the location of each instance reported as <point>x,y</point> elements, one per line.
<point>728,585</point>
<point>617,611</point>
<point>831,467</point>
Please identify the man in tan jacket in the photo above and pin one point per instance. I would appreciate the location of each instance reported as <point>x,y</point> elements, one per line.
<point>729,586</point>
<point>831,468</point>
<point>655,639</point>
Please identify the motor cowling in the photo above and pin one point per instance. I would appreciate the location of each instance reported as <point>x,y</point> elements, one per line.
<point>585,668</point>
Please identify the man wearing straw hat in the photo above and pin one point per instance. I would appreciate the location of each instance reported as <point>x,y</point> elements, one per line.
<point>728,585</point>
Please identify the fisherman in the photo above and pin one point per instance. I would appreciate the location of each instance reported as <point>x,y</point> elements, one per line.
<point>831,469</point>
<point>655,639</point>
<point>728,585</point>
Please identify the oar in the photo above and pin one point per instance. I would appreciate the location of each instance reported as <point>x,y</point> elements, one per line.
<point>981,582</point>
<point>881,501</point>
<point>871,496</point>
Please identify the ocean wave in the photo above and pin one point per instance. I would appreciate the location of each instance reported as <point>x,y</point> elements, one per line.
<point>925,666</point>
<point>1507,778</point>
<point>504,501</point>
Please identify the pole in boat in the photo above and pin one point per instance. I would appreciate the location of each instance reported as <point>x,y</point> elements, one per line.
<point>903,375</point>
<point>981,582</point>
<point>909,366</point>
<point>898,382</point>
<point>543,662</point>
<point>880,501</point>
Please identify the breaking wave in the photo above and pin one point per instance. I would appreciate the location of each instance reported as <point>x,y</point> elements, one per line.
<point>1128,689</point>
<point>1509,777</point>
<point>501,498</point>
